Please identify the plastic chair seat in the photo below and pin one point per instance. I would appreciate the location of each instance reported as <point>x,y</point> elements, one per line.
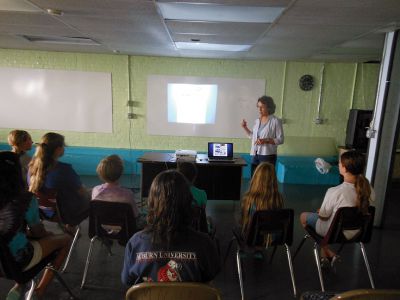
<point>172,291</point>
<point>368,294</point>
<point>103,214</point>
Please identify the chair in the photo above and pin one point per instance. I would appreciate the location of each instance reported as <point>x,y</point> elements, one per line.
<point>13,271</point>
<point>267,228</point>
<point>367,294</point>
<point>172,291</point>
<point>346,219</point>
<point>201,222</point>
<point>48,202</point>
<point>103,214</point>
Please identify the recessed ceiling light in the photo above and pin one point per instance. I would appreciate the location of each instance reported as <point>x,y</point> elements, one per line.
<point>54,12</point>
<point>211,47</point>
<point>18,6</point>
<point>61,40</point>
<point>218,12</point>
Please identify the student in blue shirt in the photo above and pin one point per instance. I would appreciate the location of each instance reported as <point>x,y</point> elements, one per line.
<point>189,170</point>
<point>46,173</point>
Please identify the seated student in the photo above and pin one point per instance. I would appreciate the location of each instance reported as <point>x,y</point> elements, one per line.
<point>110,171</point>
<point>21,228</point>
<point>263,194</point>
<point>200,221</point>
<point>168,249</point>
<point>21,142</point>
<point>47,173</point>
<point>189,170</point>
<point>355,191</point>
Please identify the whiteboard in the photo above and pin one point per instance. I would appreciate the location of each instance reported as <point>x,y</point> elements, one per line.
<point>55,100</point>
<point>236,100</point>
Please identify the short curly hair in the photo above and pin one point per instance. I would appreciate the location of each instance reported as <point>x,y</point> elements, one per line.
<point>110,168</point>
<point>17,137</point>
<point>268,102</point>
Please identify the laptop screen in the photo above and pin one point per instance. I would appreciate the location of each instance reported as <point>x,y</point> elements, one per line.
<point>220,150</point>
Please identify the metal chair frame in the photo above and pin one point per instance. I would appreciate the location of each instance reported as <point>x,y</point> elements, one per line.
<point>49,199</point>
<point>275,224</point>
<point>346,218</point>
<point>201,222</point>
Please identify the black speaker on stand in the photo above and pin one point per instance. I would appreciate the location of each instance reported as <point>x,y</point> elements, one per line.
<point>356,133</point>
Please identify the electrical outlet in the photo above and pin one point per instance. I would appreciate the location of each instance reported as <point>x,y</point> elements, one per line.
<point>318,121</point>
<point>131,115</point>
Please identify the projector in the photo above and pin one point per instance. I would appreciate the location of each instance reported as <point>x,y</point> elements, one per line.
<point>189,155</point>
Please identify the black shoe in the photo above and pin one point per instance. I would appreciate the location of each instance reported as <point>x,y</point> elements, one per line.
<point>325,262</point>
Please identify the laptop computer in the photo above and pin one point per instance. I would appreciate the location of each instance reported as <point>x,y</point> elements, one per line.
<point>220,152</point>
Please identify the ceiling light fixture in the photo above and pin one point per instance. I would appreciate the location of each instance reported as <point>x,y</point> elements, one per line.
<point>218,12</point>
<point>61,40</point>
<point>54,12</point>
<point>211,47</point>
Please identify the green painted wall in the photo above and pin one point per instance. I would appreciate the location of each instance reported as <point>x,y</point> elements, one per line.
<point>345,86</point>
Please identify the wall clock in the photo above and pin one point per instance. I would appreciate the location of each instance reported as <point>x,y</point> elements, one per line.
<point>306,82</point>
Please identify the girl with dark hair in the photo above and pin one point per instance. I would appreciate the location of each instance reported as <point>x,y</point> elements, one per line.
<point>19,215</point>
<point>168,249</point>
<point>263,194</point>
<point>47,173</point>
<point>266,135</point>
<point>355,191</point>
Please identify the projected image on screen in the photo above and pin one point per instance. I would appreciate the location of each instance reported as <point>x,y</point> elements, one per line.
<point>192,103</point>
<point>200,106</point>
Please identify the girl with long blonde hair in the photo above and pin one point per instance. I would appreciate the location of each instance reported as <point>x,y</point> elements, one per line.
<point>263,193</point>
<point>47,173</point>
<point>45,158</point>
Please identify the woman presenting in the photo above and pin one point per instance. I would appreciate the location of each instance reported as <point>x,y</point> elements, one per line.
<point>266,135</point>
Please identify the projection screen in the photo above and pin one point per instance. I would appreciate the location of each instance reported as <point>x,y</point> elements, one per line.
<point>201,106</point>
